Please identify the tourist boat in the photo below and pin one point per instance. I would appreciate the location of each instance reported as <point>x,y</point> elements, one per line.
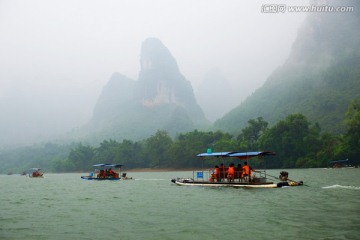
<point>35,173</point>
<point>341,164</point>
<point>106,172</point>
<point>255,179</point>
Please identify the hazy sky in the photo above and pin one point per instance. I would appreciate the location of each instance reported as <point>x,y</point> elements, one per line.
<point>56,55</point>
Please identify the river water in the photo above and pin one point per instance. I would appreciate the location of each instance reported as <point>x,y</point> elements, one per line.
<point>63,206</point>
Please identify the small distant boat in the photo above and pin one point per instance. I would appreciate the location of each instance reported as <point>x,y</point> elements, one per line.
<point>237,179</point>
<point>106,172</point>
<point>341,164</point>
<point>125,177</point>
<point>35,173</point>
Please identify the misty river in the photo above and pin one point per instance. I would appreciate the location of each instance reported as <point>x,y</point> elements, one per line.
<point>63,206</point>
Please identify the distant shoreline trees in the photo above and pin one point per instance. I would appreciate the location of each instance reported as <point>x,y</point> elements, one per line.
<point>297,143</point>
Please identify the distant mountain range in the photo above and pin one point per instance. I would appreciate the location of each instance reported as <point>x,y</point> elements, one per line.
<point>319,79</point>
<point>161,99</point>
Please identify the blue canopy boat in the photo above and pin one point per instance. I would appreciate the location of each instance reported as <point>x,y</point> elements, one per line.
<point>105,172</point>
<point>239,177</point>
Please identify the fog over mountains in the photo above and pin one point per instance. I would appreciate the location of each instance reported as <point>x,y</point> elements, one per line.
<point>56,56</point>
<point>216,95</point>
<point>319,79</point>
<point>58,65</point>
<point>161,99</point>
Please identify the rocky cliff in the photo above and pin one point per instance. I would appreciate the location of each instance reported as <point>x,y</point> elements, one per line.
<point>160,99</point>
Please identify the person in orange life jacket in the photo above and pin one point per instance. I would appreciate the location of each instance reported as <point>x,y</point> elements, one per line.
<point>215,174</point>
<point>231,172</point>
<point>102,174</point>
<point>246,170</point>
<point>111,172</point>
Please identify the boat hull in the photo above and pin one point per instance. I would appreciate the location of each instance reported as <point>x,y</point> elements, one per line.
<point>189,182</point>
<point>99,179</point>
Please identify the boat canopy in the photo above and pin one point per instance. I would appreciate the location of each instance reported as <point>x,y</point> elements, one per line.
<point>340,161</point>
<point>107,165</point>
<point>240,155</point>
<point>34,169</point>
<point>214,154</point>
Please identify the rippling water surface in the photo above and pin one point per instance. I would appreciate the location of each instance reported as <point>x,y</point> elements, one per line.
<point>63,206</point>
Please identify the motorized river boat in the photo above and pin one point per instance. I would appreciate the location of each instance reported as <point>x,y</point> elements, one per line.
<point>35,173</point>
<point>341,164</point>
<point>106,172</point>
<point>238,177</point>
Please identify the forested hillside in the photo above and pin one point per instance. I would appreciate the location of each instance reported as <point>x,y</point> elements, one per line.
<point>319,79</point>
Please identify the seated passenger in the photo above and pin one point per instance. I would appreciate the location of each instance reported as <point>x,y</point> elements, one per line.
<point>101,174</point>
<point>231,172</point>
<point>217,173</point>
<point>111,173</point>
<point>215,176</point>
<point>246,172</point>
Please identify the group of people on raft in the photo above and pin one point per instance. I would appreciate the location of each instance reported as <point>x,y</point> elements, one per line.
<point>107,173</point>
<point>37,174</point>
<point>232,173</point>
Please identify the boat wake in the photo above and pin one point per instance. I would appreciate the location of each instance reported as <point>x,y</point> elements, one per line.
<point>341,186</point>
